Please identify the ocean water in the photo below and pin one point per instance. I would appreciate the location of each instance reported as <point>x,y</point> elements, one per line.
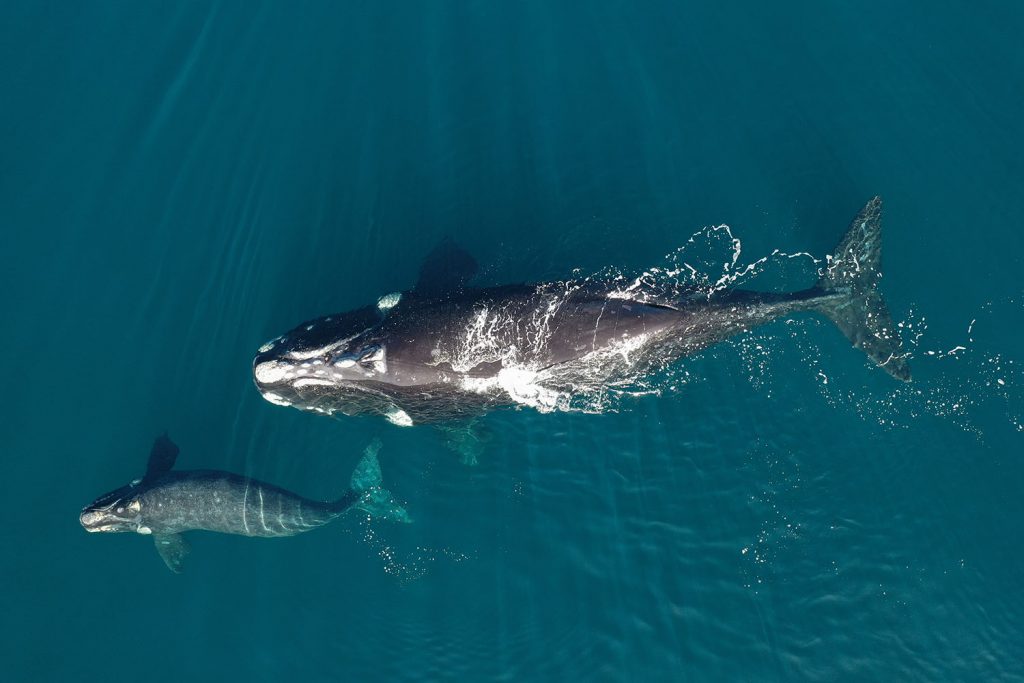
<point>181,182</point>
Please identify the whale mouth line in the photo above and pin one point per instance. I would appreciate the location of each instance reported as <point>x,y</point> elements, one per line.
<point>300,384</point>
<point>287,392</point>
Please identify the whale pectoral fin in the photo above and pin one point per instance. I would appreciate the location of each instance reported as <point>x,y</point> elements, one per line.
<point>448,268</point>
<point>172,548</point>
<point>161,457</point>
<point>367,472</point>
<point>467,440</point>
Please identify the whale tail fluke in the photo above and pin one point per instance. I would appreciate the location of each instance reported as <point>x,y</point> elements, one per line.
<point>850,296</point>
<point>366,492</point>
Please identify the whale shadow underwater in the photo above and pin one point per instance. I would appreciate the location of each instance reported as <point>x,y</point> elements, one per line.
<point>164,503</point>
<point>445,350</point>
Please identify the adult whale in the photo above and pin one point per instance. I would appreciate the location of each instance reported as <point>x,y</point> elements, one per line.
<point>444,350</point>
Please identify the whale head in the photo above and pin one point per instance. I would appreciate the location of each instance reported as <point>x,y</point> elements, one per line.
<point>320,359</point>
<point>119,510</point>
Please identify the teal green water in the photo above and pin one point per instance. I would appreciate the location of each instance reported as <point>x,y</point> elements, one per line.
<point>180,184</point>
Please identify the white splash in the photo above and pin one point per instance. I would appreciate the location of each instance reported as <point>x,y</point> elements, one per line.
<point>521,384</point>
<point>516,340</point>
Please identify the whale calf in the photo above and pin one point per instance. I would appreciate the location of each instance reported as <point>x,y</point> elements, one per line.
<point>165,503</point>
<point>444,350</point>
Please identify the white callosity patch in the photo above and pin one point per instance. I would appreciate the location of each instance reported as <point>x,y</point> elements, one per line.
<point>89,518</point>
<point>271,371</point>
<point>377,359</point>
<point>275,399</point>
<point>308,354</point>
<point>269,345</point>
<point>388,301</point>
<point>397,416</point>
<point>144,530</point>
<point>312,382</point>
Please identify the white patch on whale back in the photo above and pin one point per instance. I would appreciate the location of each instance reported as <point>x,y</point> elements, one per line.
<point>144,530</point>
<point>399,417</point>
<point>522,386</point>
<point>525,375</point>
<point>275,399</point>
<point>388,301</point>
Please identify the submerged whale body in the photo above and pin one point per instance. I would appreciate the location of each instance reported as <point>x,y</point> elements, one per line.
<point>444,350</point>
<point>165,503</point>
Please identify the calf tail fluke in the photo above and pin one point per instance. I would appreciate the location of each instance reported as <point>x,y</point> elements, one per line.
<point>368,494</point>
<point>853,272</point>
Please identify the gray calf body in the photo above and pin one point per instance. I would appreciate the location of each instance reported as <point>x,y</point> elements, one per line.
<point>166,503</point>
